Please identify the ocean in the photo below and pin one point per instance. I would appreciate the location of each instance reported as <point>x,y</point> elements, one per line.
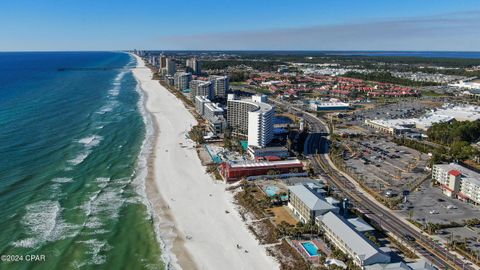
<point>425,54</point>
<point>73,163</point>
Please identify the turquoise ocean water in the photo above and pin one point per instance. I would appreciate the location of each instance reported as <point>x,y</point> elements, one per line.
<point>72,155</point>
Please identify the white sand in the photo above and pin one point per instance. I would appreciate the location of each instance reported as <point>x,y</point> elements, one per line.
<point>197,204</point>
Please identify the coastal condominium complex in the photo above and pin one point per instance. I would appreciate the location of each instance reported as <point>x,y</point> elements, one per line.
<point>193,65</point>
<point>201,88</point>
<point>200,102</point>
<point>344,236</point>
<point>170,67</point>
<point>307,202</point>
<point>182,80</point>
<point>163,61</point>
<point>220,85</point>
<point>213,113</point>
<point>252,118</point>
<point>458,181</point>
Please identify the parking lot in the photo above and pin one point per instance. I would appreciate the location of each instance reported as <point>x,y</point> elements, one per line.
<point>384,166</point>
<point>430,205</point>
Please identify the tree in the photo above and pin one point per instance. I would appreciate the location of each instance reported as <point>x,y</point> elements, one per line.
<point>196,134</point>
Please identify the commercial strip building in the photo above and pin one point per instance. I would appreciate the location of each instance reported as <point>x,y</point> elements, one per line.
<point>445,114</point>
<point>458,181</point>
<point>393,127</point>
<point>235,170</point>
<point>307,202</point>
<point>329,106</point>
<point>182,80</point>
<point>342,234</point>
<point>466,85</point>
<point>252,118</point>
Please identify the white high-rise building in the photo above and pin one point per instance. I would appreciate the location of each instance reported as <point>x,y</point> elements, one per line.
<point>200,88</point>
<point>213,113</point>
<point>193,65</point>
<point>252,118</point>
<point>220,85</point>
<point>182,80</point>
<point>200,102</point>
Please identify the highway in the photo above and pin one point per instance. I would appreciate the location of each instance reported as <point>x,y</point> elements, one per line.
<point>316,148</point>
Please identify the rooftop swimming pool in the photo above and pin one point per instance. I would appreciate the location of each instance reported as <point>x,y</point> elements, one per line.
<point>310,248</point>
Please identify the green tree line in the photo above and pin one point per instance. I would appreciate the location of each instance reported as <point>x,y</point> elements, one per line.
<point>386,77</point>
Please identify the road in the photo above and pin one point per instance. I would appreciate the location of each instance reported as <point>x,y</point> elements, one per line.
<point>316,147</point>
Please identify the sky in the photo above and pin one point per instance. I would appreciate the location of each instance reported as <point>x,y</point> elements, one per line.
<point>405,25</point>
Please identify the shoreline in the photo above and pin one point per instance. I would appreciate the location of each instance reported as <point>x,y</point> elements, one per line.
<point>196,218</point>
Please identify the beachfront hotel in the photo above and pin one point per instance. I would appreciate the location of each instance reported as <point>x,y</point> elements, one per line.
<point>252,118</point>
<point>182,80</point>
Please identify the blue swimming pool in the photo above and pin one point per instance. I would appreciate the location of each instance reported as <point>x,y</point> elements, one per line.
<point>271,190</point>
<point>215,158</point>
<point>311,248</point>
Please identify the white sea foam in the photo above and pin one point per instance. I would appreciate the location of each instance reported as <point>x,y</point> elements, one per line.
<point>96,247</point>
<point>91,141</point>
<point>104,203</point>
<point>62,180</point>
<point>88,142</point>
<point>115,90</point>
<point>163,235</point>
<point>79,158</point>
<point>42,222</point>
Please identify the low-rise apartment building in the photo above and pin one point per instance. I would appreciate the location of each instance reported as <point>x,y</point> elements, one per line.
<point>362,251</point>
<point>307,202</point>
<point>458,181</point>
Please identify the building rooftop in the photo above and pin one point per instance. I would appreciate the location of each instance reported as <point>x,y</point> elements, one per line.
<point>311,198</point>
<point>466,174</point>
<point>261,106</point>
<point>360,246</point>
<point>460,113</point>
<point>251,163</point>
<point>388,266</point>
<point>214,107</point>
<point>360,225</point>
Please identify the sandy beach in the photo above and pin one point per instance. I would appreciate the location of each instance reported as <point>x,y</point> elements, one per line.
<point>190,206</point>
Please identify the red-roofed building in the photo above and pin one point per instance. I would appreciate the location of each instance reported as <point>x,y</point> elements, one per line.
<point>235,170</point>
<point>454,173</point>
